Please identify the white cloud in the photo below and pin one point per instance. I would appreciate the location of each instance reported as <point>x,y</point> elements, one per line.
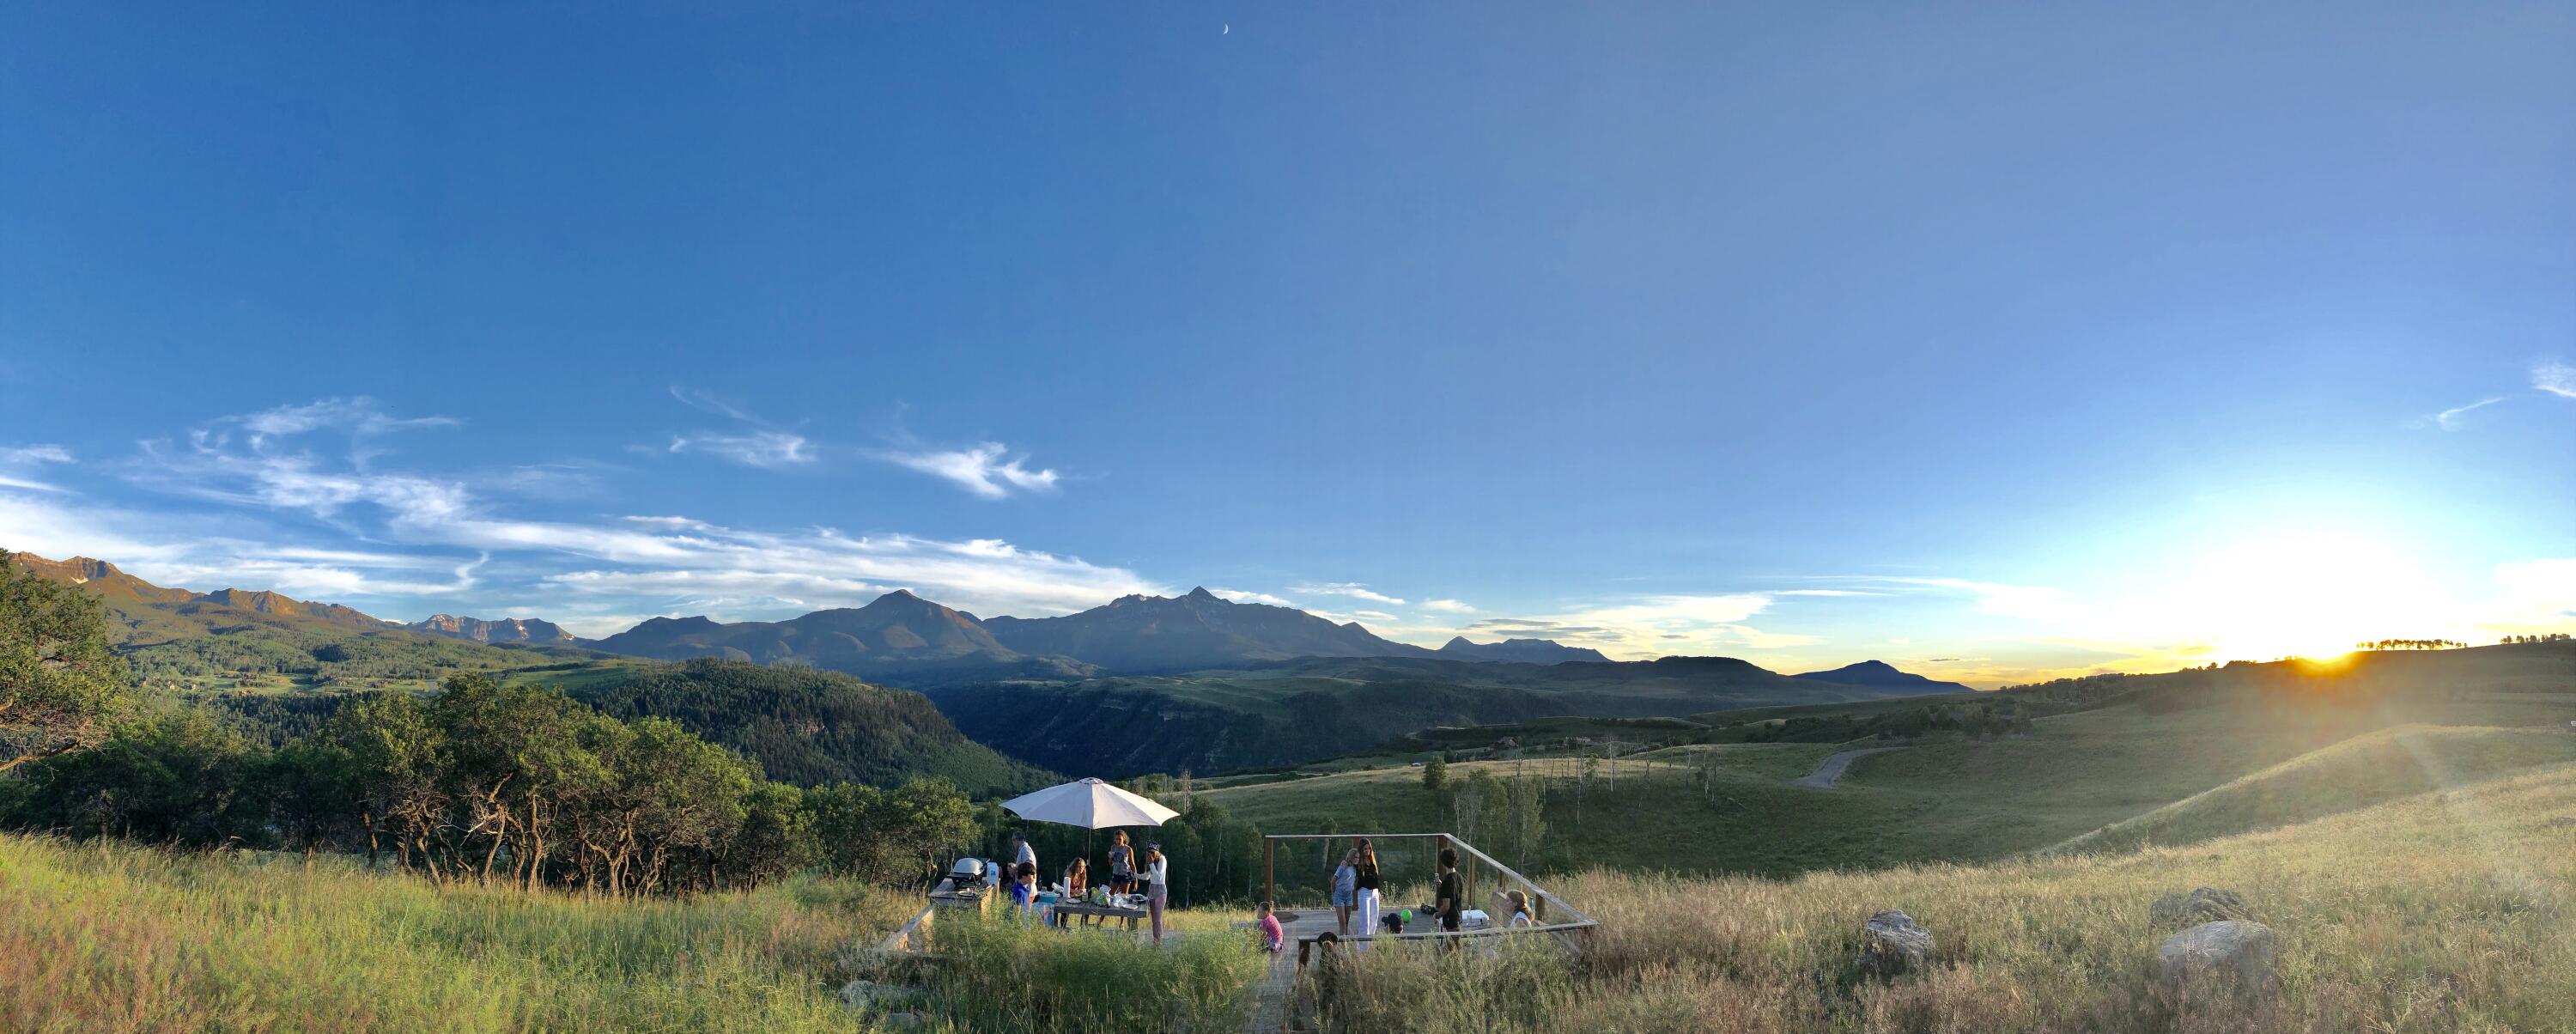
<point>1448,606</point>
<point>1649,626</point>
<point>984,470</point>
<point>358,415</point>
<point>1374,615</point>
<point>647,559</point>
<point>1355,590</point>
<point>1245,596</point>
<point>1825,592</point>
<point>2456,416</point>
<point>28,455</point>
<point>768,450</point>
<point>2554,377</point>
<point>2033,602</point>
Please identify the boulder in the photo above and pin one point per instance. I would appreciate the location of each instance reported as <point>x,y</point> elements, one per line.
<point>869,996</point>
<point>1892,945</point>
<point>2202,905</point>
<point>2239,947</point>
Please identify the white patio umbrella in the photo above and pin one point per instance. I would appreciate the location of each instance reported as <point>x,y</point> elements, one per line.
<point>1090,804</point>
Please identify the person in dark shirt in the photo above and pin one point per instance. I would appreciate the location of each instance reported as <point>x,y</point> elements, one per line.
<point>1366,886</point>
<point>1451,905</point>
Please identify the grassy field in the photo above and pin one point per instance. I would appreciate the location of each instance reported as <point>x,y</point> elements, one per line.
<point>126,939</point>
<point>2437,912</point>
<point>1953,800</point>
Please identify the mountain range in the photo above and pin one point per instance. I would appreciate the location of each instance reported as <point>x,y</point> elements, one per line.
<point>904,638</point>
<point>1522,651</point>
<point>506,630</point>
<point>1142,683</point>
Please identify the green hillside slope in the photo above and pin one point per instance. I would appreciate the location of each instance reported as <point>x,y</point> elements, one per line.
<point>1294,712</point>
<point>2355,773</point>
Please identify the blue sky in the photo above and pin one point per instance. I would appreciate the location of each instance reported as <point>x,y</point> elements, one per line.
<point>1994,341</point>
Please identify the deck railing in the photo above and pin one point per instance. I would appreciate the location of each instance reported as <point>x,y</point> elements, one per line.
<point>1550,914</point>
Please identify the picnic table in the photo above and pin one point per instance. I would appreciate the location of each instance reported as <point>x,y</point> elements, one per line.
<point>1092,914</point>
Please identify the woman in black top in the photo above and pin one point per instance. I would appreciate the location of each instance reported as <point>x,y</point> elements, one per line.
<point>1450,896</point>
<point>1368,884</point>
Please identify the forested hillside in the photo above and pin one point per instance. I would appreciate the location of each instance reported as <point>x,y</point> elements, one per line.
<point>806,726</point>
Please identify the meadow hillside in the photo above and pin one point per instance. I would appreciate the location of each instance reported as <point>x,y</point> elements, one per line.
<point>1732,808</point>
<point>2439,912</point>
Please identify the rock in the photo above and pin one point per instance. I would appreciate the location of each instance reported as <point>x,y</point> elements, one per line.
<point>2235,946</point>
<point>1892,945</point>
<point>2202,905</point>
<point>869,996</point>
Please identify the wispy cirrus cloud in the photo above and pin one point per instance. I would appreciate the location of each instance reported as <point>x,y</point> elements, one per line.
<point>1354,590</point>
<point>2454,418</point>
<point>768,450</point>
<point>759,444</point>
<point>2554,377</point>
<point>986,470</point>
<point>359,415</point>
<point>14,461</point>
<point>29,455</point>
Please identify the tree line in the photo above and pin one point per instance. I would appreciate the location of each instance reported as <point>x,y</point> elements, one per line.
<point>499,785</point>
<point>2410,644</point>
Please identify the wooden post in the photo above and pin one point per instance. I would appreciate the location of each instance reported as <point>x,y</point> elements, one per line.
<point>1270,871</point>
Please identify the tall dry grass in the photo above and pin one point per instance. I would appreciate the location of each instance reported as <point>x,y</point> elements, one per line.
<point>998,975</point>
<point>2449,911</point>
<point>110,938</point>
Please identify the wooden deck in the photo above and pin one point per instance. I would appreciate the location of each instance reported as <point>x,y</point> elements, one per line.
<point>1485,880</point>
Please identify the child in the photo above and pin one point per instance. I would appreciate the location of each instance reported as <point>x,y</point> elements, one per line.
<point>1346,891</point>
<point>1272,937</point>
<point>1024,889</point>
<point>1520,909</point>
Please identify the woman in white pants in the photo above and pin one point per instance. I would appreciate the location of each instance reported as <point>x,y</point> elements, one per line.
<point>1368,886</point>
<point>1158,888</point>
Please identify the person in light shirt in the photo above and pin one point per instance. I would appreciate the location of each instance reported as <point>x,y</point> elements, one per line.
<point>1158,886</point>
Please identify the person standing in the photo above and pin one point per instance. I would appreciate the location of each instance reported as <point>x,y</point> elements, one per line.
<point>1022,853</point>
<point>1449,895</point>
<point>1365,883</point>
<point>1158,887</point>
<point>1122,865</point>
<point>1346,890</point>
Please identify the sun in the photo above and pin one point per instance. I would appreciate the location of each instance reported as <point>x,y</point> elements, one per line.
<point>2312,596</point>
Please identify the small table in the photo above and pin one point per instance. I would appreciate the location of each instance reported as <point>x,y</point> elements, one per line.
<point>1092,913</point>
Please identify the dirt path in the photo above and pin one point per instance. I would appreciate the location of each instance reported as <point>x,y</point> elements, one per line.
<point>1830,771</point>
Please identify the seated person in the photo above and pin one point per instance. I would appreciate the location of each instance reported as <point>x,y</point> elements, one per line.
<point>1077,879</point>
<point>1520,909</point>
<point>1273,937</point>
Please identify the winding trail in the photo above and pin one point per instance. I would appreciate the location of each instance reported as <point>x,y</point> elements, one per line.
<point>1830,771</point>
